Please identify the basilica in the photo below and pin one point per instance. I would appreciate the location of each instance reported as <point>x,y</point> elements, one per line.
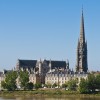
<point>51,71</point>
<point>54,71</point>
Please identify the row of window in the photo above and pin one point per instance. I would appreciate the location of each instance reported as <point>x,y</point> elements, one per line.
<point>52,82</point>
<point>56,78</point>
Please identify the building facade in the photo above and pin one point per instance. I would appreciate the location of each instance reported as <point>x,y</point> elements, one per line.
<point>39,68</point>
<point>61,77</point>
<point>81,66</point>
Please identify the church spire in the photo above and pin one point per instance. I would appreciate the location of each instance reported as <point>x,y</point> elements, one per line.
<point>82,65</point>
<point>82,31</point>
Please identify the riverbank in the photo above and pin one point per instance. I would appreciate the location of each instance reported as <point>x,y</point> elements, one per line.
<point>46,93</point>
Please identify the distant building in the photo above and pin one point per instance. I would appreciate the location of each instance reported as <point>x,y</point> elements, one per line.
<point>62,77</point>
<point>52,71</point>
<point>38,69</point>
<point>2,77</point>
<point>82,64</point>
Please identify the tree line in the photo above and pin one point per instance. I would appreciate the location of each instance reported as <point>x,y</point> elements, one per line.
<point>89,85</point>
<point>86,86</point>
<point>10,81</point>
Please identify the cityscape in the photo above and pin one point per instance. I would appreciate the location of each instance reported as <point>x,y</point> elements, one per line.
<point>41,62</point>
<point>54,71</point>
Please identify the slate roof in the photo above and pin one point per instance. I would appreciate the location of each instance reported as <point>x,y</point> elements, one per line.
<point>1,73</point>
<point>57,64</point>
<point>27,63</point>
<point>6,71</point>
<point>32,63</point>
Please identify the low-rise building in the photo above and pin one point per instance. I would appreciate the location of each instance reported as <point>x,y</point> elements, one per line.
<point>62,77</point>
<point>1,79</point>
<point>39,68</point>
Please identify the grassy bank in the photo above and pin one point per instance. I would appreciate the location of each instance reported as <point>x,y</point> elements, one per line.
<point>38,92</point>
<point>50,93</point>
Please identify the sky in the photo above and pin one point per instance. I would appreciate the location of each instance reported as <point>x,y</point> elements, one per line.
<point>48,29</point>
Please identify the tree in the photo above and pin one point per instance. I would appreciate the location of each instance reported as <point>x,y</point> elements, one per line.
<point>97,82</point>
<point>91,82</point>
<point>54,85</point>
<point>64,85</point>
<point>3,84</point>
<point>48,85</point>
<point>72,84</point>
<point>24,79</point>
<point>10,81</point>
<point>29,86</point>
<point>37,85</point>
<point>83,86</point>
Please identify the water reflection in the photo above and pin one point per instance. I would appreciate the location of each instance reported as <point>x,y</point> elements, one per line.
<point>46,98</point>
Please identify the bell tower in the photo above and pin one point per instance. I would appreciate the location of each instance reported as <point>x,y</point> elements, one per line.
<point>82,65</point>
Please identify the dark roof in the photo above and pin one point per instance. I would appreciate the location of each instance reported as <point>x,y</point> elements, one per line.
<point>6,71</point>
<point>57,64</point>
<point>1,73</point>
<point>27,63</point>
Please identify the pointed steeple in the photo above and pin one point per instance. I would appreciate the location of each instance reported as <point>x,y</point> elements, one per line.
<point>86,44</point>
<point>78,44</point>
<point>82,65</point>
<point>82,31</point>
<point>67,64</point>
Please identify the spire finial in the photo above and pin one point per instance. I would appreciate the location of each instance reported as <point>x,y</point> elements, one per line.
<point>82,32</point>
<point>82,9</point>
<point>82,6</point>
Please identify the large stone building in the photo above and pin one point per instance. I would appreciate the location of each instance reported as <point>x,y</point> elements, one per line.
<point>82,65</point>
<point>51,71</point>
<point>63,76</point>
<point>39,68</point>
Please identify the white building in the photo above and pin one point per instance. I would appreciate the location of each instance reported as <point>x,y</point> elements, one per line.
<point>1,78</point>
<point>61,77</point>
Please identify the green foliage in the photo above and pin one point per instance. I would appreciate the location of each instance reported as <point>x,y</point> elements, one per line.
<point>24,79</point>
<point>48,85</point>
<point>91,82</point>
<point>38,85</point>
<point>3,84</point>
<point>29,86</point>
<point>64,85</point>
<point>10,81</point>
<point>97,82</point>
<point>72,84</point>
<point>54,85</point>
<point>83,86</point>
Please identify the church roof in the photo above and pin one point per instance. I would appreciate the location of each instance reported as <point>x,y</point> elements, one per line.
<point>27,63</point>
<point>57,64</point>
<point>32,63</point>
<point>1,73</point>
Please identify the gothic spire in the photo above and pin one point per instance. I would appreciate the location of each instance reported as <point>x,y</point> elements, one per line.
<point>82,65</point>
<point>82,31</point>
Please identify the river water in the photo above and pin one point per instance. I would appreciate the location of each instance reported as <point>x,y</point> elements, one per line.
<point>51,98</point>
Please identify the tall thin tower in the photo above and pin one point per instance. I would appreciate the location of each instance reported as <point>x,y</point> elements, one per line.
<point>82,65</point>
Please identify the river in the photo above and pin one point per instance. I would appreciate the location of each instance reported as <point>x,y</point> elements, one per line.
<point>51,98</point>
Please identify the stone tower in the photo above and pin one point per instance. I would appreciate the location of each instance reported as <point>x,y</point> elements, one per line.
<point>82,65</point>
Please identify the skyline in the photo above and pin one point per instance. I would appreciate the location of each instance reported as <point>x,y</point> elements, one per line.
<point>47,30</point>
